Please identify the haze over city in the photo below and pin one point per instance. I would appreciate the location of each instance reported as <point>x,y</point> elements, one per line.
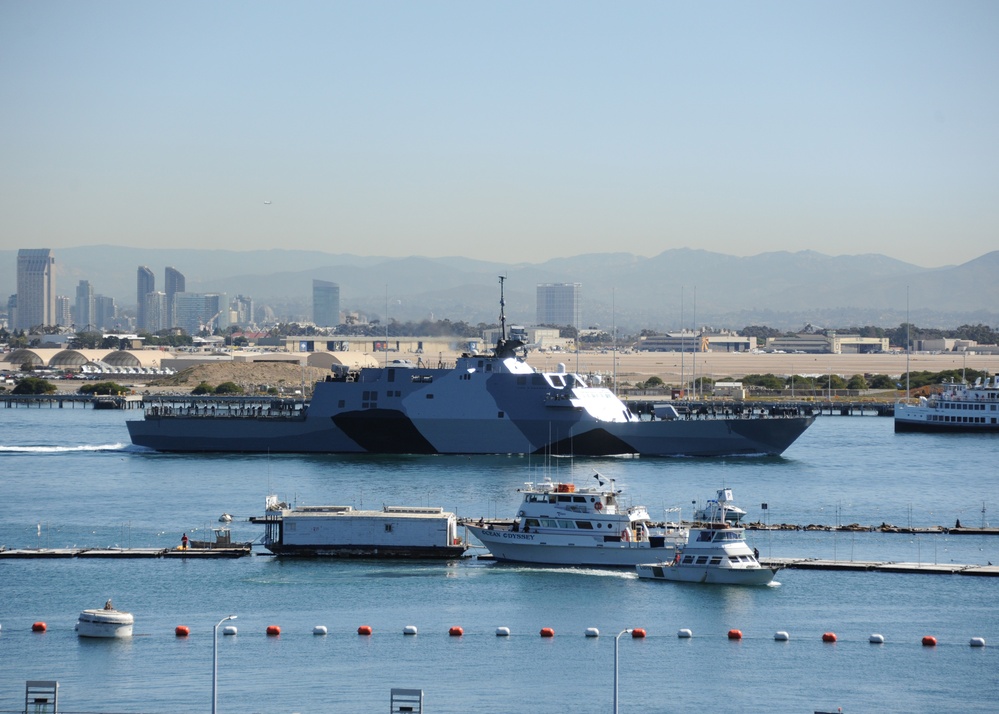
<point>511,132</point>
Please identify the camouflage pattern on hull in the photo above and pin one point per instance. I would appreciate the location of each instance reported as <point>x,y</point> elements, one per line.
<point>484,405</point>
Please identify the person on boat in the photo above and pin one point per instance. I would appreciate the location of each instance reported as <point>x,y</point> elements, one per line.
<point>183,542</point>
<point>108,605</point>
<point>527,528</point>
<point>756,553</point>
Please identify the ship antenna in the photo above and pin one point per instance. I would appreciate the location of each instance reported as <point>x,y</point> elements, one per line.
<point>502,310</point>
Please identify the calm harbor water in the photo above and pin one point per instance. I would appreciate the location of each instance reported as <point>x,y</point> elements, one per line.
<point>71,479</point>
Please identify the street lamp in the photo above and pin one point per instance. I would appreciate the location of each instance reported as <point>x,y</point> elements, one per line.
<point>215,660</point>
<point>616,640</point>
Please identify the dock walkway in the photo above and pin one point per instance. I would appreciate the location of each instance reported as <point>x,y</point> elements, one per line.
<point>122,553</point>
<point>882,566</point>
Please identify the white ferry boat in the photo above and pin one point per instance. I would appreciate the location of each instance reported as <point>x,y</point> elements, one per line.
<point>106,622</point>
<point>716,553</point>
<point>343,532</point>
<point>564,524</point>
<point>956,408</point>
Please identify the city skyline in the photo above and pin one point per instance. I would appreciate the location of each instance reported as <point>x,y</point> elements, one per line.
<point>512,133</point>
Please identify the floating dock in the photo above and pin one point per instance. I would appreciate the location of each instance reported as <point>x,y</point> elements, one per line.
<point>882,566</point>
<point>122,553</point>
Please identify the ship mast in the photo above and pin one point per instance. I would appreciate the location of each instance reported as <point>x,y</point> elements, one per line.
<point>502,310</point>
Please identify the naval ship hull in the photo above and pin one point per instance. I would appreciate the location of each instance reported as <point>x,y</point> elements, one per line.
<point>392,432</point>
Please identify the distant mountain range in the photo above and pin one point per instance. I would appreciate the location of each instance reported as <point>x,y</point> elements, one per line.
<point>681,287</point>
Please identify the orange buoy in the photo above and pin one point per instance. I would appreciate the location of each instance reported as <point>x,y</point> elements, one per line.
<point>273,630</point>
<point>929,641</point>
<point>638,633</point>
<point>364,630</point>
<point>456,631</point>
<point>828,636</point>
<point>39,627</point>
<point>547,632</point>
<point>735,634</point>
<point>182,630</point>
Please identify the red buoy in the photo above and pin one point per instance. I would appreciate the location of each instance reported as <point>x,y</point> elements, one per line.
<point>273,630</point>
<point>929,641</point>
<point>735,634</point>
<point>828,636</point>
<point>638,633</point>
<point>182,630</point>
<point>547,632</point>
<point>39,627</point>
<point>456,631</point>
<point>364,630</point>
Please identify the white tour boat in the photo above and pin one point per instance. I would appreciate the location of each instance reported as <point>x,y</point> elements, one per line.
<point>565,524</point>
<point>956,408</point>
<point>106,622</point>
<point>715,553</point>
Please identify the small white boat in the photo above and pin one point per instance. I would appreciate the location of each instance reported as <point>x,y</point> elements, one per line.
<point>565,524</point>
<point>712,509</point>
<point>969,408</point>
<point>106,622</point>
<point>715,553</point>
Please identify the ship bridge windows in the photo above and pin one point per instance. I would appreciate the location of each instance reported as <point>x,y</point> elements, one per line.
<point>584,525</point>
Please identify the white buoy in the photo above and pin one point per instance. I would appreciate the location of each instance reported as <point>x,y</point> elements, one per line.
<point>876,639</point>
<point>684,633</point>
<point>229,630</point>
<point>502,631</point>
<point>592,632</point>
<point>319,630</point>
<point>781,636</point>
<point>409,630</point>
<point>977,642</point>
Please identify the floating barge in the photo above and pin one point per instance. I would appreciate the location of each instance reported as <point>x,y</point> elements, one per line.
<point>343,532</point>
<point>122,553</point>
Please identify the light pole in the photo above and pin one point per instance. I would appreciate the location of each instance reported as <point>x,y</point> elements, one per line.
<point>616,640</point>
<point>215,660</point>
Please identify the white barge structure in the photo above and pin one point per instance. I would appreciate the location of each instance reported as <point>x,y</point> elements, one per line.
<point>343,532</point>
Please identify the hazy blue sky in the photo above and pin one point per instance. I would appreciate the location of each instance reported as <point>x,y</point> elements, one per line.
<point>512,131</point>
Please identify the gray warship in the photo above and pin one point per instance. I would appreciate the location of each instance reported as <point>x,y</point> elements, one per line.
<point>484,404</point>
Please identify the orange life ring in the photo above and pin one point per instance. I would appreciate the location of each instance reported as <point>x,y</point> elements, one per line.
<point>625,535</point>
<point>598,505</point>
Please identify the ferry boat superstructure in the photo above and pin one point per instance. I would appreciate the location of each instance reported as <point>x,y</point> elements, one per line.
<point>565,524</point>
<point>483,404</point>
<point>343,532</point>
<point>715,553</point>
<point>712,510</point>
<point>956,408</point>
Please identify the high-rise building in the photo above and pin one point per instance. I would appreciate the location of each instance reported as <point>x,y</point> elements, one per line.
<point>12,311</point>
<point>64,318</point>
<point>105,311</point>
<point>84,319</point>
<point>145,284</point>
<point>196,311</point>
<point>173,283</point>
<point>325,303</point>
<point>558,304</point>
<point>35,288</point>
<point>155,311</point>
<point>242,309</point>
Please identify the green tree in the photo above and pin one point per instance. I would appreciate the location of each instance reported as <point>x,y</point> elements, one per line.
<point>228,388</point>
<point>203,388</point>
<point>103,388</point>
<point>882,381</point>
<point>764,381</point>
<point>857,381</point>
<point>34,385</point>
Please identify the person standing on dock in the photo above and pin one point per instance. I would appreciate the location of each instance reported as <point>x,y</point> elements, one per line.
<point>183,542</point>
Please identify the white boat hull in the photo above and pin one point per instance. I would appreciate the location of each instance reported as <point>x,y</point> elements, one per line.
<point>706,574</point>
<point>551,549</point>
<point>105,623</point>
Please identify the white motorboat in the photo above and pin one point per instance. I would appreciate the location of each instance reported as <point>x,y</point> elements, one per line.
<point>715,553</point>
<point>106,622</point>
<point>711,510</point>
<point>955,408</point>
<point>564,524</point>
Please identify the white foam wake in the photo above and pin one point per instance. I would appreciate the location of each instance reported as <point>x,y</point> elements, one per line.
<point>61,449</point>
